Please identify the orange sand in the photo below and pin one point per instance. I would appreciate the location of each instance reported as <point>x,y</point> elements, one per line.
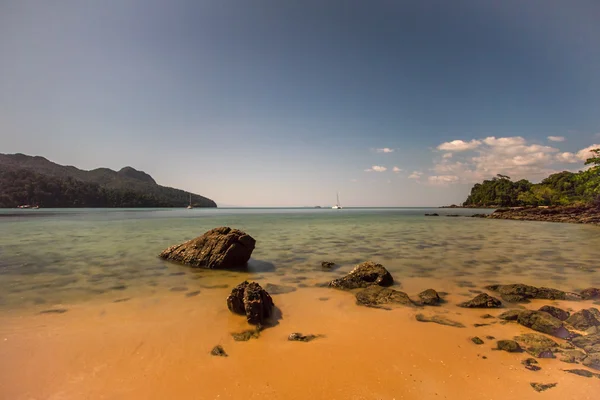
<point>159,348</point>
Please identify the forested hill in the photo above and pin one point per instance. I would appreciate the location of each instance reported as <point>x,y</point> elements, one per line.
<point>561,189</point>
<point>37,181</point>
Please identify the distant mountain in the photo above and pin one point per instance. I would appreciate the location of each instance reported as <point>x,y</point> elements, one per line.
<point>35,180</point>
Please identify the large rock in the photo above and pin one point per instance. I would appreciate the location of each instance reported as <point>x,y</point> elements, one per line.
<point>218,248</point>
<point>589,343</point>
<point>509,345</point>
<point>364,275</point>
<point>537,345</point>
<point>520,291</point>
<point>556,312</point>
<point>510,315</point>
<point>376,295</point>
<point>543,322</point>
<point>251,300</point>
<point>482,300</point>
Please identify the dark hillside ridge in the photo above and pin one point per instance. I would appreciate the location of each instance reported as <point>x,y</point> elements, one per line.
<point>37,181</point>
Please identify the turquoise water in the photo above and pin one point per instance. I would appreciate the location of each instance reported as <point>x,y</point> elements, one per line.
<point>50,257</point>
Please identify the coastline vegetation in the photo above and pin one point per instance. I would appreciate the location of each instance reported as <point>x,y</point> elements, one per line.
<point>560,189</point>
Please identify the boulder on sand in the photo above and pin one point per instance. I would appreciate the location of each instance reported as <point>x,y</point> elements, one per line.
<point>482,300</point>
<point>556,312</point>
<point>590,294</point>
<point>584,319</point>
<point>429,297</point>
<point>218,248</point>
<point>251,300</point>
<point>537,345</point>
<point>518,291</point>
<point>364,275</point>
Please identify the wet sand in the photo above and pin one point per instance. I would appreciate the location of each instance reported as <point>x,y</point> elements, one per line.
<point>157,347</point>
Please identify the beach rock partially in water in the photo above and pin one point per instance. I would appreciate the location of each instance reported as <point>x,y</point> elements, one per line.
<point>377,295</point>
<point>438,319</point>
<point>510,315</point>
<point>589,343</point>
<point>537,345</point>
<point>364,275</point>
<point>540,387</point>
<point>482,300</point>
<point>222,247</point>
<point>543,322</point>
<point>590,294</point>
<point>429,297</point>
<point>509,345</point>
<point>556,312</point>
<point>218,351</point>
<point>592,361</point>
<point>251,300</point>
<point>584,319</point>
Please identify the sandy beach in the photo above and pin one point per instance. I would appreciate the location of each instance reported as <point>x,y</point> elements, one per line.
<point>159,347</point>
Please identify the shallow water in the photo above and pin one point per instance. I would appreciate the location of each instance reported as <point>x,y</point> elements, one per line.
<point>66,256</point>
<point>88,310</point>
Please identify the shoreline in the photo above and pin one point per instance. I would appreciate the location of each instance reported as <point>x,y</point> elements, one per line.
<point>589,215</point>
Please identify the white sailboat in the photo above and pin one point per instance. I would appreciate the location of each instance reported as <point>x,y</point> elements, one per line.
<point>337,206</point>
<point>190,205</point>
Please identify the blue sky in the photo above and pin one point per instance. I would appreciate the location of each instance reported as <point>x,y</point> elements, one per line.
<point>281,103</point>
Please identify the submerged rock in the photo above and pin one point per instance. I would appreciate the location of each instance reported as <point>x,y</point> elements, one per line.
<point>218,351</point>
<point>328,265</point>
<point>540,387</point>
<point>584,319</point>
<point>510,315</point>
<point>590,294</point>
<point>556,312</point>
<point>543,322</point>
<point>298,337</point>
<point>537,345</point>
<point>364,275</point>
<point>377,295</point>
<point>509,345</point>
<point>482,300</point>
<point>222,247</point>
<point>251,300</point>
<point>429,297</point>
<point>438,319</point>
<point>272,288</point>
<point>531,364</point>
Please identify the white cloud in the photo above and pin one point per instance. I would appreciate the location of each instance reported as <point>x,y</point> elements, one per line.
<point>459,145</point>
<point>415,175</point>
<point>504,141</point>
<point>385,150</point>
<point>556,138</point>
<point>442,179</point>
<point>376,168</point>
<point>396,169</point>
<point>567,157</point>
<point>586,153</point>
<point>447,155</point>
